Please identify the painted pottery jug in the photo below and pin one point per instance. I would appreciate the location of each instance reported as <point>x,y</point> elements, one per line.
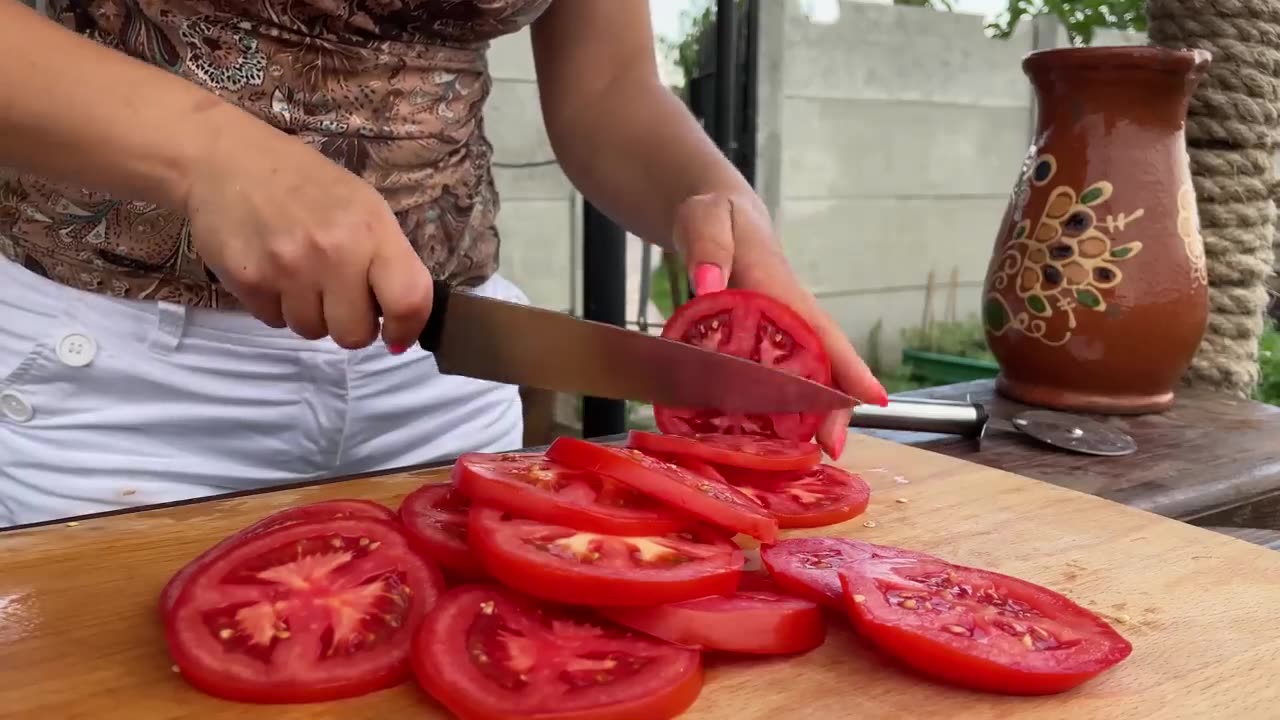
<point>1096,297</point>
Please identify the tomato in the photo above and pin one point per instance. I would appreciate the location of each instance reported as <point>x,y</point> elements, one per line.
<point>748,325</point>
<point>751,621</point>
<point>692,464</point>
<point>739,451</point>
<point>312,611</point>
<point>324,510</point>
<point>534,487</point>
<point>824,495</point>
<point>715,501</point>
<point>584,568</point>
<point>487,653</point>
<point>807,567</point>
<point>977,628</point>
<point>435,519</point>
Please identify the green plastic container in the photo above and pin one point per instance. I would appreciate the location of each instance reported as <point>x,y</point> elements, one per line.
<point>947,369</point>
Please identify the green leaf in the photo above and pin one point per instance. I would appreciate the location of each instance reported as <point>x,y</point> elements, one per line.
<point>1038,304</point>
<point>1091,195</point>
<point>995,315</point>
<point>1125,251</point>
<point>1090,298</point>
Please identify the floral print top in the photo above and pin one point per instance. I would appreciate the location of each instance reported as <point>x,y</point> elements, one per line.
<point>393,90</point>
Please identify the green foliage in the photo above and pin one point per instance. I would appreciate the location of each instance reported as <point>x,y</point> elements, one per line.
<point>1081,18</point>
<point>962,338</point>
<point>1268,390</point>
<point>685,50</point>
<point>660,285</point>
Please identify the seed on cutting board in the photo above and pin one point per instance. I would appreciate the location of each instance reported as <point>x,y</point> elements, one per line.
<point>869,524</point>
<point>901,480</point>
<point>901,500</point>
<point>72,524</point>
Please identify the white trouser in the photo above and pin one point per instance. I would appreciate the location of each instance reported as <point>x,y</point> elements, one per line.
<point>108,403</point>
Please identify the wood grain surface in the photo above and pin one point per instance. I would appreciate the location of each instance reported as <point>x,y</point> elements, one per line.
<point>79,636</point>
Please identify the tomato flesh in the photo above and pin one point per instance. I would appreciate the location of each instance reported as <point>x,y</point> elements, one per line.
<point>757,327</point>
<point>738,451</point>
<point>692,464</point>
<point>976,628</point>
<point>808,567</point>
<point>823,495</point>
<point>576,567</point>
<point>712,500</point>
<point>312,611</point>
<point>487,653</point>
<point>535,487</point>
<point>435,519</point>
<point>755,622</point>
<point>324,510</point>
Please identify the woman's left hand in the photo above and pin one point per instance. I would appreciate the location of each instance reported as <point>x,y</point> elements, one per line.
<point>728,241</point>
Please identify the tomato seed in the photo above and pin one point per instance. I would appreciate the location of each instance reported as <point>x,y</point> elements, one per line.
<point>859,599</point>
<point>955,629</point>
<point>869,524</point>
<point>901,500</point>
<point>1026,640</point>
<point>72,524</point>
<point>364,541</point>
<point>283,634</point>
<point>486,607</point>
<point>1040,633</point>
<point>226,633</point>
<point>909,604</point>
<point>374,546</point>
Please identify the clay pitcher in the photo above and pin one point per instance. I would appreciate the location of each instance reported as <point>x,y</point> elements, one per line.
<point>1096,297</point>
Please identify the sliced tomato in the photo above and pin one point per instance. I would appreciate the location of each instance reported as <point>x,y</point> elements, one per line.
<point>489,654</point>
<point>692,464</point>
<point>738,451</point>
<point>535,487</point>
<point>435,519</point>
<point>807,567</point>
<point>976,628</point>
<point>757,327</point>
<point>712,500</point>
<point>316,610</point>
<point>571,566</point>
<point>752,621</point>
<point>323,510</point>
<point>824,495</point>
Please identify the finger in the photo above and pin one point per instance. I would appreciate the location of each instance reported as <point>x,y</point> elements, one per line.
<point>263,305</point>
<point>703,236</point>
<point>348,309</point>
<point>304,313</point>
<point>401,286</point>
<point>834,432</point>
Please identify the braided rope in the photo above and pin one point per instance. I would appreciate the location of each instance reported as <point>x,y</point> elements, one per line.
<point>1233,128</point>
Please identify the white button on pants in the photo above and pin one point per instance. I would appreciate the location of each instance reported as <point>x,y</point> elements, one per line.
<point>15,407</point>
<point>77,350</point>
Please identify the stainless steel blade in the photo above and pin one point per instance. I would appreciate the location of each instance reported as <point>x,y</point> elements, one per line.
<point>517,344</point>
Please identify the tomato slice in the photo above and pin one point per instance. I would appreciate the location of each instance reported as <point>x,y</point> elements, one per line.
<point>532,486</point>
<point>692,464</point>
<point>712,500</point>
<point>324,510</point>
<point>748,621</point>
<point>808,567</point>
<point>757,327</point>
<point>977,628</point>
<point>435,519</point>
<point>312,611</point>
<point>824,495</point>
<point>571,566</point>
<point>738,451</point>
<point>487,653</point>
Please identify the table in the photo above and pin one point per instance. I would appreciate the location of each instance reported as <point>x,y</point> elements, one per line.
<point>1211,459</point>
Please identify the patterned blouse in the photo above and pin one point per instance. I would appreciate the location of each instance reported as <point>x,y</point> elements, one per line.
<point>392,90</point>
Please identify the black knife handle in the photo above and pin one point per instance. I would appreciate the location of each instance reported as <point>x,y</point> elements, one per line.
<point>433,331</point>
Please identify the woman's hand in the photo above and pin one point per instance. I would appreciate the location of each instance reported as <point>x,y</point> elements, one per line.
<point>302,242</point>
<point>728,241</point>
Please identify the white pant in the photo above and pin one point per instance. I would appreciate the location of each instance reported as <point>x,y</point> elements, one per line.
<point>108,403</point>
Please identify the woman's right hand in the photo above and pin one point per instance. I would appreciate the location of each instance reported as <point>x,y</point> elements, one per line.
<point>302,242</point>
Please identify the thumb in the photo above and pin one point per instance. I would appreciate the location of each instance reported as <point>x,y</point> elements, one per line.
<point>704,238</point>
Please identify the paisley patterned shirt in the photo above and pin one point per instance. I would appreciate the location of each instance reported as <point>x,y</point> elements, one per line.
<point>391,89</point>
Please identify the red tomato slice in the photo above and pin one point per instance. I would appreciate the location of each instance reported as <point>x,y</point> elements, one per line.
<point>738,451</point>
<point>490,654</point>
<point>324,510</point>
<point>317,610</point>
<point>748,325</point>
<point>752,621</point>
<point>571,566</point>
<point>977,628</point>
<point>807,567</point>
<point>435,519</point>
<point>824,495</point>
<point>534,487</point>
<point>691,464</point>
<point>712,500</point>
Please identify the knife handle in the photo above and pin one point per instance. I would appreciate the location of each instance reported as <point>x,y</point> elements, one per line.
<point>949,417</point>
<point>433,332</point>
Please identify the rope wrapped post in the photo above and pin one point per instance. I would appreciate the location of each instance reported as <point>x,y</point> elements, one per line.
<point>1232,128</point>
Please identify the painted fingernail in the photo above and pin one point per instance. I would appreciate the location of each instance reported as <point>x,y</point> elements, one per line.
<point>397,349</point>
<point>707,278</point>
<point>883,399</point>
<point>838,445</point>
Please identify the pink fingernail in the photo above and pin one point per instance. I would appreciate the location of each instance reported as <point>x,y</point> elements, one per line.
<point>883,399</point>
<point>397,349</point>
<point>841,439</point>
<point>707,278</point>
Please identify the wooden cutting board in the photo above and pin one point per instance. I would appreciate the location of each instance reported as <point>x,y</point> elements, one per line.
<point>79,636</point>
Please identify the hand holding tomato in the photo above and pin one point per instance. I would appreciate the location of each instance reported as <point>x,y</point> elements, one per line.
<point>728,241</point>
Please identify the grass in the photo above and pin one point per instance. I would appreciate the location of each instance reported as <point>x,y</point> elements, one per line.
<point>1268,390</point>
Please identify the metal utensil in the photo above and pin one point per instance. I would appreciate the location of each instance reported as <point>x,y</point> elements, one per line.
<point>507,342</point>
<point>971,419</point>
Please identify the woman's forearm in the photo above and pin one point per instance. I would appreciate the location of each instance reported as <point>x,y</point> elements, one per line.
<point>73,110</point>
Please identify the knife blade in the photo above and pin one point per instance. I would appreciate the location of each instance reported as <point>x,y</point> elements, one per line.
<point>500,341</point>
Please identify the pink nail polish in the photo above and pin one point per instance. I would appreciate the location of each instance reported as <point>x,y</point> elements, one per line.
<point>841,439</point>
<point>883,399</point>
<point>707,278</point>
<point>397,349</point>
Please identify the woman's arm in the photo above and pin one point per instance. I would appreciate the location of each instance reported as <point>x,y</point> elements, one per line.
<point>76,111</point>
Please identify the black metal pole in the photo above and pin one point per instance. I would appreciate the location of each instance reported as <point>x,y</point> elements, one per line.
<point>726,74</point>
<point>604,293</point>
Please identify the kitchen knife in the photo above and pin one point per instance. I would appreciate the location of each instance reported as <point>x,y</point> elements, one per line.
<point>506,342</point>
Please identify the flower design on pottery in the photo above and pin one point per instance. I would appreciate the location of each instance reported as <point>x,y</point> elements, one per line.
<point>1189,231</point>
<point>1061,265</point>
